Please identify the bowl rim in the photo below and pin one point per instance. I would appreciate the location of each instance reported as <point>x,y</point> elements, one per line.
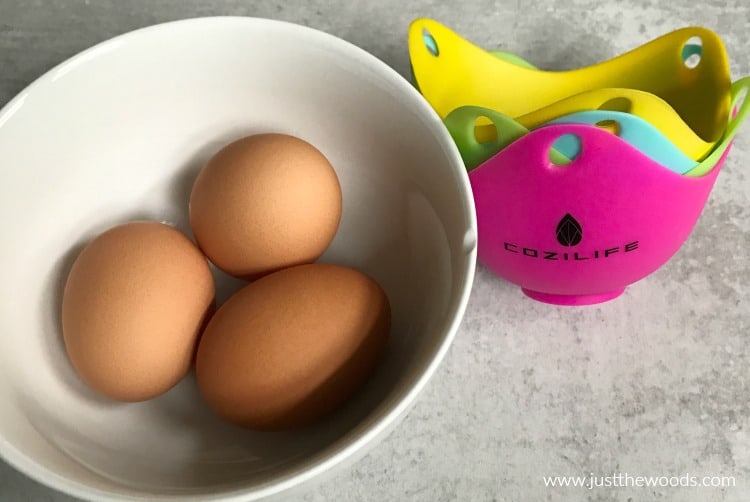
<point>373,427</point>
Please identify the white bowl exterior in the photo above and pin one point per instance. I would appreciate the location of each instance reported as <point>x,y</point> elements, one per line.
<point>118,133</point>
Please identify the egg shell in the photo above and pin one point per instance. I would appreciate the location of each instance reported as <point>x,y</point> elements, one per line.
<point>288,349</point>
<point>263,203</point>
<point>134,304</point>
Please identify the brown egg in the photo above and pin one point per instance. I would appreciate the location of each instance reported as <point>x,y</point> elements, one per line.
<point>264,203</point>
<point>133,307</point>
<point>289,348</point>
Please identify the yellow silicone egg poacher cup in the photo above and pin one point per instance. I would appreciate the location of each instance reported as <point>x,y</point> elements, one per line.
<point>645,105</point>
<point>453,72</point>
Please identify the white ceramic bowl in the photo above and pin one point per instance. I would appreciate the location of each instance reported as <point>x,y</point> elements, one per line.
<point>119,132</point>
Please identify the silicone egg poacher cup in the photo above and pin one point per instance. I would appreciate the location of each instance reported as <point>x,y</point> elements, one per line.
<point>580,233</point>
<point>451,72</point>
<point>645,105</point>
<point>630,128</point>
<point>639,133</point>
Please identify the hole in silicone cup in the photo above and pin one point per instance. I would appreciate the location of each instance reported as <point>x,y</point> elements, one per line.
<point>485,130</point>
<point>692,51</point>
<point>569,145</point>
<point>610,126</point>
<point>617,105</point>
<point>430,43</point>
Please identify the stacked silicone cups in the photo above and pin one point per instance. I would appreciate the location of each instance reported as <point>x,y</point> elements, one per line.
<point>585,180</point>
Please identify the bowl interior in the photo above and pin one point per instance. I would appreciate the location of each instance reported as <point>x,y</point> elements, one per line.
<point>119,133</point>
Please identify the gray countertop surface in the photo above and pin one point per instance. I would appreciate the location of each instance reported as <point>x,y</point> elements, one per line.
<point>654,383</point>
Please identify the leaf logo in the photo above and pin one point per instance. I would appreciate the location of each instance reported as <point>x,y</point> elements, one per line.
<point>569,231</point>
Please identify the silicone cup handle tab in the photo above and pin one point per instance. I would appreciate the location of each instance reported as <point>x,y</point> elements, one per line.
<point>460,123</point>
<point>739,90</point>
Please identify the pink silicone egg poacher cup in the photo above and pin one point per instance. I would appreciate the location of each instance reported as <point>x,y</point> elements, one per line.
<point>579,233</point>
